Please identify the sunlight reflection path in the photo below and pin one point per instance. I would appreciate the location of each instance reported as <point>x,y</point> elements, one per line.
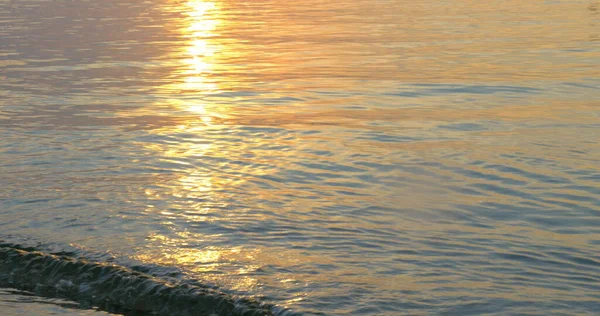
<point>202,19</point>
<point>200,192</point>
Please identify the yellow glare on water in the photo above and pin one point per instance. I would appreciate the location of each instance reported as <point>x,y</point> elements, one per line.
<point>201,62</point>
<point>201,22</point>
<point>208,262</point>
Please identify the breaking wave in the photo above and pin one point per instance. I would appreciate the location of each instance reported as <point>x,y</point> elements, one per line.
<point>116,288</point>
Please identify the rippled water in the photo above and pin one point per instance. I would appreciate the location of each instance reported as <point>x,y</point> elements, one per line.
<point>354,157</point>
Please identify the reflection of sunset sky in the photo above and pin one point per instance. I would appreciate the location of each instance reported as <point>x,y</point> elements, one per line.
<point>201,20</point>
<point>209,261</point>
<point>320,148</point>
<point>254,124</point>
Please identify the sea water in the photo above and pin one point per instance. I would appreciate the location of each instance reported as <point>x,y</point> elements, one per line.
<point>310,157</point>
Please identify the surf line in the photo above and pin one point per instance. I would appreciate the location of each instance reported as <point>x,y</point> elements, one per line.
<point>117,289</point>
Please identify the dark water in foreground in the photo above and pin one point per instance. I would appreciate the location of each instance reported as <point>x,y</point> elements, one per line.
<point>357,157</point>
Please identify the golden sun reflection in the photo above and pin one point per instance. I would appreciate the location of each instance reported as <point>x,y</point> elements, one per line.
<point>194,55</point>
<point>209,261</point>
<point>201,22</point>
<point>198,188</point>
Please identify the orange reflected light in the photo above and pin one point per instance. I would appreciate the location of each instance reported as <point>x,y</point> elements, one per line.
<point>203,191</point>
<point>196,54</point>
<point>201,23</point>
<point>207,261</point>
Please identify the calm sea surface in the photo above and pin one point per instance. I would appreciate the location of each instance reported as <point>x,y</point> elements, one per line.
<point>352,157</point>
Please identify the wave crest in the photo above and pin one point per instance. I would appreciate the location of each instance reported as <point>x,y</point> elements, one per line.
<point>116,288</point>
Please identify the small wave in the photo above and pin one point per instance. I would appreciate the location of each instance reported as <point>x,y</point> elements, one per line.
<point>116,288</point>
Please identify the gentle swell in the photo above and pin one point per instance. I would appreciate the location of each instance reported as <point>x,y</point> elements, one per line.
<point>115,288</point>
